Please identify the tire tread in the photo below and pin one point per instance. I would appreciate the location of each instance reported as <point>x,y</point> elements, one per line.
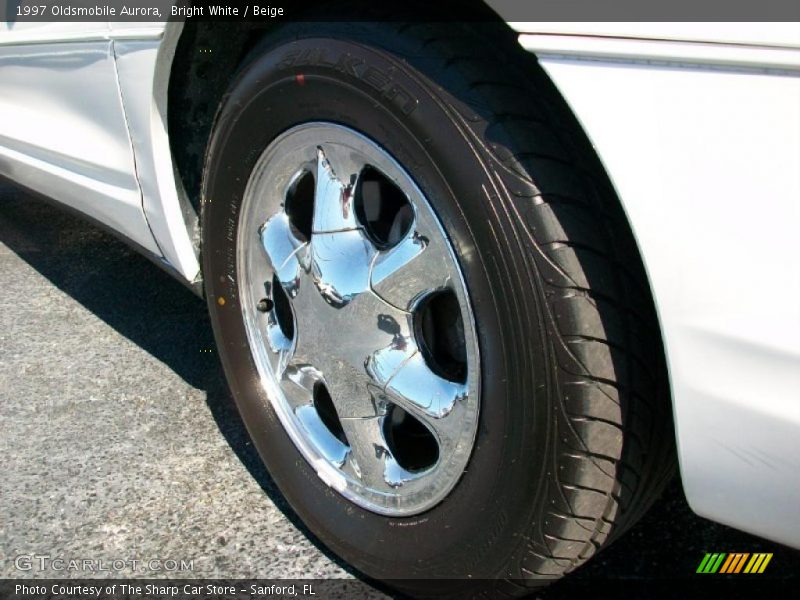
<point>608,348</point>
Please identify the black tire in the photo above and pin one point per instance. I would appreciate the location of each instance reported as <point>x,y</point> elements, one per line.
<point>575,438</point>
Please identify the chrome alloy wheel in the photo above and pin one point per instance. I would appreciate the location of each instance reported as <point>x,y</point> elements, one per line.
<point>358,319</point>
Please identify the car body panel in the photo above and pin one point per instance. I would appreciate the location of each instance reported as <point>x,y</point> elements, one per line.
<point>35,32</point>
<point>698,125</point>
<point>172,221</point>
<point>779,35</point>
<point>63,131</point>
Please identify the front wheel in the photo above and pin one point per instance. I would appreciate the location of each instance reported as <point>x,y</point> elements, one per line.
<point>429,307</point>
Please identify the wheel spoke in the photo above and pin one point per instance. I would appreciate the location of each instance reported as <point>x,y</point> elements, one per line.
<point>432,399</point>
<point>343,257</point>
<point>345,163</point>
<point>384,363</point>
<point>352,396</point>
<point>282,247</point>
<point>298,383</point>
<point>279,345</point>
<point>325,442</point>
<point>351,392</point>
<point>368,451</point>
<point>424,390</point>
<point>406,272</point>
<point>333,196</point>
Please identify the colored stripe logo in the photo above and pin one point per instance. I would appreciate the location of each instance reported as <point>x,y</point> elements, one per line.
<point>735,562</point>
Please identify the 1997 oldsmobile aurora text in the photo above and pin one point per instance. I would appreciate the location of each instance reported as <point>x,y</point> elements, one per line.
<point>475,286</point>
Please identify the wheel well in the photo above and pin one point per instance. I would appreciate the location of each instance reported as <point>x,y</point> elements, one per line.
<point>207,56</point>
<point>205,60</point>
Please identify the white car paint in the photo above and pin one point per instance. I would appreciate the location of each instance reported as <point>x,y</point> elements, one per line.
<point>779,35</point>
<point>147,212</point>
<point>668,53</point>
<point>27,32</point>
<point>63,131</point>
<point>698,125</point>
<point>146,112</point>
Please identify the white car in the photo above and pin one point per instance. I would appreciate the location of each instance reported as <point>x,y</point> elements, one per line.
<point>472,284</point>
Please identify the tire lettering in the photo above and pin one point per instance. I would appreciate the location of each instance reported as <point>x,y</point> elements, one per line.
<point>354,67</point>
<point>347,64</point>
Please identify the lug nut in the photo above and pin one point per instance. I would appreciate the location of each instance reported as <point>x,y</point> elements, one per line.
<point>264,305</point>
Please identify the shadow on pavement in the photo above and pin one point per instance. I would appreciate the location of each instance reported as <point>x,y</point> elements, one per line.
<point>165,319</point>
<point>141,302</point>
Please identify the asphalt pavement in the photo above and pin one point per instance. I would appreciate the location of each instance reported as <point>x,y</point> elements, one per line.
<point>120,440</point>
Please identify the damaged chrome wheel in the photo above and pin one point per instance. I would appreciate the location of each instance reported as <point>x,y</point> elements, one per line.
<point>358,319</point>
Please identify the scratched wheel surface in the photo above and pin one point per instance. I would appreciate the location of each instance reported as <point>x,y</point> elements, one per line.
<point>358,318</point>
<point>430,310</point>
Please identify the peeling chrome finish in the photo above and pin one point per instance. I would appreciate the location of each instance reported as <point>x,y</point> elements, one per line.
<point>352,305</point>
<point>282,246</point>
<point>333,202</point>
<point>421,262</point>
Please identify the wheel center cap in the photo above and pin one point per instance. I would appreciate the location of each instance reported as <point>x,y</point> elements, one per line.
<point>352,337</point>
